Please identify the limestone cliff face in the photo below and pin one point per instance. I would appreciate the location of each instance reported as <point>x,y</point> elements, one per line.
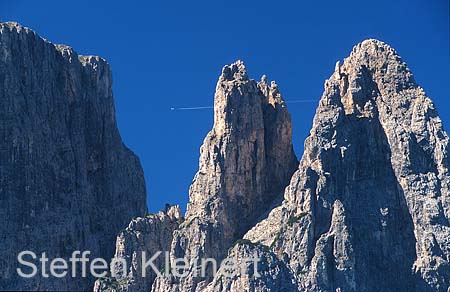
<point>368,209</point>
<point>247,158</point>
<point>67,182</point>
<point>246,161</point>
<point>271,274</point>
<point>145,236</point>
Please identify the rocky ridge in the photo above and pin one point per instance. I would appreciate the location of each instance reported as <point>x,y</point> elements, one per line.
<point>245,163</point>
<point>367,209</point>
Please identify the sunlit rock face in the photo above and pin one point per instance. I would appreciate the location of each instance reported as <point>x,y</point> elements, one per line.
<point>67,181</point>
<point>368,208</point>
<point>144,238</point>
<point>246,161</point>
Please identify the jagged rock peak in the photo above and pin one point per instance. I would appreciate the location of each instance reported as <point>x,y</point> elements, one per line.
<point>245,163</point>
<point>372,49</point>
<point>249,118</point>
<point>65,50</point>
<point>375,55</point>
<point>369,207</point>
<point>373,45</point>
<point>380,61</point>
<point>172,213</point>
<point>234,72</point>
<point>11,25</point>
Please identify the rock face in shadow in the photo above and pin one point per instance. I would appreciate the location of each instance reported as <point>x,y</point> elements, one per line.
<point>67,181</point>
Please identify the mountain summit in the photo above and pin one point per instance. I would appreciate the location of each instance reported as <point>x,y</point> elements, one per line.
<point>368,207</point>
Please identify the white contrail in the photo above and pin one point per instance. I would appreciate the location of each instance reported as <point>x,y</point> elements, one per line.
<point>211,107</point>
<point>190,108</point>
<point>302,101</point>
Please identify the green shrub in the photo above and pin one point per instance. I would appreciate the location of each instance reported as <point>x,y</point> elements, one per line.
<point>277,237</point>
<point>294,219</point>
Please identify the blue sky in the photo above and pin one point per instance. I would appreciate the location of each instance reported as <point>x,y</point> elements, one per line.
<point>169,54</point>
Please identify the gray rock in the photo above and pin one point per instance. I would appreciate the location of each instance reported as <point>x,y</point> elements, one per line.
<point>368,209</point>
<point>268,274</point>
<point>246,161</point>
<point>67,181</point>
<point>148,235</point>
